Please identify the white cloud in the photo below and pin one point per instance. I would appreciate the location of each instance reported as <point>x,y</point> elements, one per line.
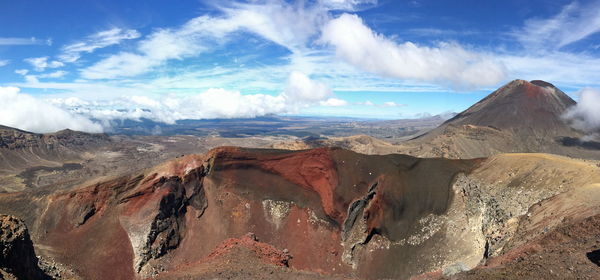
<point>447,63</point>
<point>220,103</point>
<point>295,26</point>
<point>55,74</point>
<point>382,105</point>
<point>573,23</point>
<point>41,63</point>
<point>585,116</point>
<point>72,52</point>
<point>391,104</point>
<point>15,41</point>
<point>28,113</point>
<point>299,92</point>
<point>370,62</point>
<point>366,103</point>
<point>210,104</point>
<point>32,79</point>
<point>123,64</point>
<point>4,62</point>
<point>157,48</point>
<point>334,102</point>
<point>164,44</point>
<point>347,5</point>
<point>22,72</point>
<point>290,25</point>
<point>300,88</point>
<point>145,101</point>
<point>69,102</point>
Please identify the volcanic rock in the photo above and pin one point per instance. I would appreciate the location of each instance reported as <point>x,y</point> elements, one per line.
<point>17,257</point>
<point>337,212</point>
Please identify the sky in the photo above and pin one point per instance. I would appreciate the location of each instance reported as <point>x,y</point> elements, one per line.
<point>86,65</point>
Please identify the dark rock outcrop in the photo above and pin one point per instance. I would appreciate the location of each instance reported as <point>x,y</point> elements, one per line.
<point>17,257</point>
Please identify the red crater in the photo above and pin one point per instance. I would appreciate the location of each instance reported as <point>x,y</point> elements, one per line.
<point>313,170</point>
<point>263,251</point>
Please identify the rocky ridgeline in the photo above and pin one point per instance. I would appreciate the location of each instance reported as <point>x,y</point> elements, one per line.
<point>14,139</point>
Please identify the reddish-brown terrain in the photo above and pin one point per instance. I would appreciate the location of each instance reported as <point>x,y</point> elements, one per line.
<point>318,213</point>
<point>335,212</point>
<point>309,202</point>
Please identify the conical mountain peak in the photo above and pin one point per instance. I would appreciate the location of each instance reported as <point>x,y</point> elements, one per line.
<point>519,105</point>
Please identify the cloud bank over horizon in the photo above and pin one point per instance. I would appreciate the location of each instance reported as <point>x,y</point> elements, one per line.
<point>25,112</point>
<point>28,113</point>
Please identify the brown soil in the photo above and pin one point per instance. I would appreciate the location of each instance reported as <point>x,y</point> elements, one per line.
<point>243,258</point>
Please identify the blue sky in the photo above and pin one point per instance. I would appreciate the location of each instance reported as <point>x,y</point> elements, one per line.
<point>95,62</point>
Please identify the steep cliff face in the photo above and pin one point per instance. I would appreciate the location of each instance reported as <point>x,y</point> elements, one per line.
<point>126,223</point>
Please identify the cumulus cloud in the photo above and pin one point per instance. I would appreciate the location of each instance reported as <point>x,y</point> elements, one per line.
<point>585,116</point>
<point>4,62</point>
<point>300,91</point>
<point>41,63</point>
<point>448,63</point>
<point>574,22</point>
<point>113,36</point>
<point>300,88</point>
<point>28,113</point>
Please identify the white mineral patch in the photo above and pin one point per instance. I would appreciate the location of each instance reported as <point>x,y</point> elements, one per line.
<point>276,211</point>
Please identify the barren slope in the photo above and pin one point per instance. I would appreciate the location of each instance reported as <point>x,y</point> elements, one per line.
<point>335,211</point>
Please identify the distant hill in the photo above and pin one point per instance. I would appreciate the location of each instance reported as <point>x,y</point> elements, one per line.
<point>21,149</point>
